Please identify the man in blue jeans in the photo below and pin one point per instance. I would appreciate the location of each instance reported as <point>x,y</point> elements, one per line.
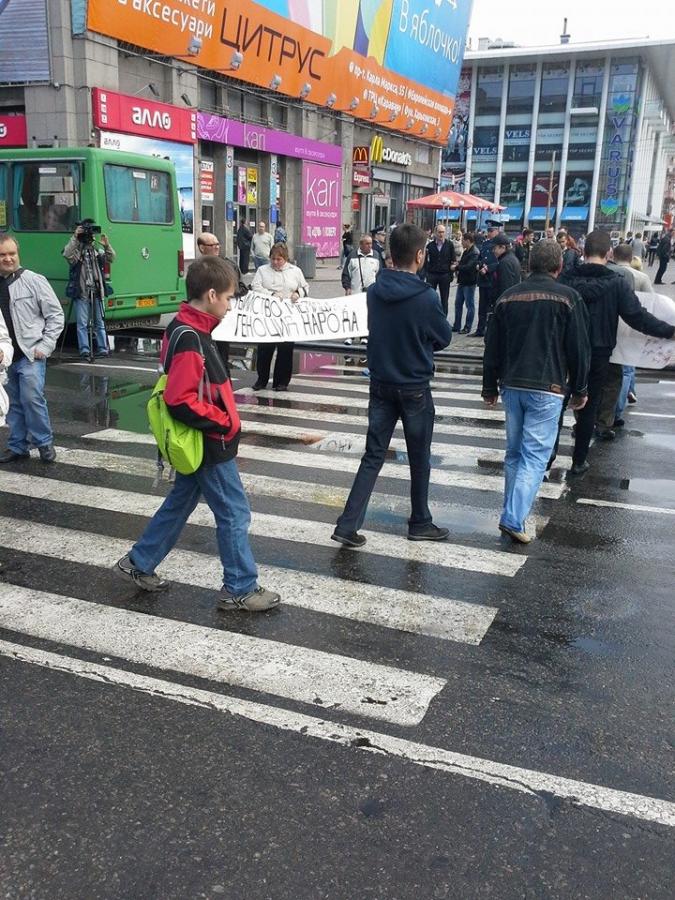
<point>34,319</point>
<point>537,350</point>
<point>205,403</point>
<point>406,325</point>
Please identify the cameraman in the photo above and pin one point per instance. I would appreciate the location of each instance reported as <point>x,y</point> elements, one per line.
<point>87,287</point>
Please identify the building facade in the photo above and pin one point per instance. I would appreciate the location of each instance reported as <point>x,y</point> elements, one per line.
<point>579,136</point>
<point>251,141</point>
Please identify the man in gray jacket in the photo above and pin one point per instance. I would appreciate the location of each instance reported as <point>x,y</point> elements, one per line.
<point>34,319</point>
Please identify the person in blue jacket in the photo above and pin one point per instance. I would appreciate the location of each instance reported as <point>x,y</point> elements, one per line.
<point>406,326</point>
<point>487,273</point>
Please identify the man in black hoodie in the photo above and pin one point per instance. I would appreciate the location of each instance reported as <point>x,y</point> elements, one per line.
<point>607,296</point>
<point>406,325</point>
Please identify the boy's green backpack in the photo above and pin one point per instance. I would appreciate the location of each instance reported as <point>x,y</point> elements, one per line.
<point>180,445</point>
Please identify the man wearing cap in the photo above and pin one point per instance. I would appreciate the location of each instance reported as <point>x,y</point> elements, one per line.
<point>508,267</point>
<point>439,263</point>
<point>379,238</point>
<point>487,269</point>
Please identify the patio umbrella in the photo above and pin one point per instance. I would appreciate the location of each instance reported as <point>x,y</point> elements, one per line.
<point>454,200</point>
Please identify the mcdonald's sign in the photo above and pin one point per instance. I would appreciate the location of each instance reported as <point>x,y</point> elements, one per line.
<point>361,156</point>
<point>376,149</point>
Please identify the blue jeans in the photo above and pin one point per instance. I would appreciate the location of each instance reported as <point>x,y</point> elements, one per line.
<point>28,416</point>
<point>259,261</point>
<point>531,431</point>
<point>223,491</point>
<point>465,294</point>
<point>415,408</point>
<point>627,386</point>
<point>98,327</point>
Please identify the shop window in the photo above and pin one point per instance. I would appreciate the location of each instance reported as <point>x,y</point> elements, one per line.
<point>521,88</point>
<point>554,82</point>
<point>46,196</point>
<point>588,81</point>
<point>138,195</point>
<point>489,96</point>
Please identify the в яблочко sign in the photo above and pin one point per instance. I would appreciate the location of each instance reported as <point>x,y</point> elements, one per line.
<point>258,318</point>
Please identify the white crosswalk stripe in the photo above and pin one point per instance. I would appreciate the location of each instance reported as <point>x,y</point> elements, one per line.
<point>332,463</point>
<point>363,388</point>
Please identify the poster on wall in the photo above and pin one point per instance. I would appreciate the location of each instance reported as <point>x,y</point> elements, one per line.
<point>512,195</point>
<point>206,181</point>
<point>182,156</point>
<point>252,186</point>
<point>23,24</point>
<point>241,185</point>
<point>388,63</point>
<point>577,197</point>
<point>321,208</point>
<point>453,163</point>
<point>483,186</point>
<point>539,199</point>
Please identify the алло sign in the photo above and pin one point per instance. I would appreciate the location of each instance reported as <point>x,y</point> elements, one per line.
<point>129,115</point>
<point>621,121</point>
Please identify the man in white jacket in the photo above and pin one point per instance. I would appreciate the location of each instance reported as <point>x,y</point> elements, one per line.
<point>361,268</point>
<point>34,319</point>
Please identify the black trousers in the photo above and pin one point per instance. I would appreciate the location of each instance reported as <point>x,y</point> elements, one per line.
<point>244,257</point>
<point>442,282</point>
<point>283,367</point>
<point>610,396</point>
<point>587,416</point>
<point>485,303</point>
<point>661,271</point>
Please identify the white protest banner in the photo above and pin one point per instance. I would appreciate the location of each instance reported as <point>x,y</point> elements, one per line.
<point>261,318</point>
<point>640,350</point>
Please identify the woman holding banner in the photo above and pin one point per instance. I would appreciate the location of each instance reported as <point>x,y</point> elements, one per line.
<point>286,281</point>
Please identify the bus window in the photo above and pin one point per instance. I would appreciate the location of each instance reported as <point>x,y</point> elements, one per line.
<point>46,195</point>
<point>138,195</point>
<point>3,197</point>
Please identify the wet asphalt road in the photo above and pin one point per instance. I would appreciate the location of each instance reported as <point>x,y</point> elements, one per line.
<point>163,780</point>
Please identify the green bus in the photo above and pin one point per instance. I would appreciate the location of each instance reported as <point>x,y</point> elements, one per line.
<point>133,198</point>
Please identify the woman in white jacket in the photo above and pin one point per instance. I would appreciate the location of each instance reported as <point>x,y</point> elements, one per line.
<point>6,355</point>
<point>287,282</point>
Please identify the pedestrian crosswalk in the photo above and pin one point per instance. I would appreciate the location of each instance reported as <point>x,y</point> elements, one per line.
<point>297,457</point>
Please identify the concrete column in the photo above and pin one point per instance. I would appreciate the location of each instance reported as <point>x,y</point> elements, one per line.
<point>502,131</point>
<point>565,144</point>
<point>472,125</point>
<point>533,143</point>
<point>601,137</point>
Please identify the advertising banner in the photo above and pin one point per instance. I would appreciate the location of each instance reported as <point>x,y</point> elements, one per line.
<point>322,208</point>
<point>251,186</point>
<point>182,156</point>
<point>241,185</point>
<point>453,162</point>
<point>13,131</point>
<point>640,350</point>
<point>261,318</point>
<point>485,141</point>
<point>24,43</point>
<point>395,64</point>
<point>206,180</point>
<point>123,112</point>
<point>576,202</point>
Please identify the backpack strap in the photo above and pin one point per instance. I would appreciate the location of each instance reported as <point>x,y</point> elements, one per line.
<point>176,335</point>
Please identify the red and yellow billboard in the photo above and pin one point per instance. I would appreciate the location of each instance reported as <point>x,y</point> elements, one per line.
<point>252,42</point>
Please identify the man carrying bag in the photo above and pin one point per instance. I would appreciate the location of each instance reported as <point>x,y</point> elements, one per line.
<point>198,393</point>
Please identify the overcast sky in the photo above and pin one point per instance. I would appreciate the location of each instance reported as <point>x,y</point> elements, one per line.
<point>540,22</point>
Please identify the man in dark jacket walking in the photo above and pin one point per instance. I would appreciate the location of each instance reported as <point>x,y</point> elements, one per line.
<point>664,251</point>
<point>244,238</point>
<point>536,342</point>
<point>487,267</point>
<point>406,326</point>
<point>508,268</point>
<point>439,260</point>
<point>467,275</point>
<point>607,296</point>
<point>523,250</point>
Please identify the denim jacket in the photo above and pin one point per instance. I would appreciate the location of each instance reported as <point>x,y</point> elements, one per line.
<point>37,314</point>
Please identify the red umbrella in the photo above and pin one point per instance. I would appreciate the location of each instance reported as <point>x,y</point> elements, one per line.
<point>453,200</point>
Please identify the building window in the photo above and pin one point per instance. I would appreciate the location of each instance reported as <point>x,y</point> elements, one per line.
<point>554,81</point>
<point>588,84</point>
<point>489,94</point>
<point>521,88</point>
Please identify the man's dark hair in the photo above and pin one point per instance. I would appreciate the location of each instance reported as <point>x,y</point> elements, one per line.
<point>207,273</point>
<point>597,243</point>
<point>501,240</point>
<point>469,236</point>
<point>545,258</point>
<point>623,253</point>
<point>527,231</point>
<point>404,243</point>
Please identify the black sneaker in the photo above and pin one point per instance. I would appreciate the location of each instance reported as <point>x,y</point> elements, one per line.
<point>580,468</point>
<point>10,456</point>
<point>353,539</point>
<point>429,533</point>
<point>604,434</point>
<point>259,386</point>
<point>258,600</point>
<point>47,453</point>
<point>619,423</point>
<point>144,580</point>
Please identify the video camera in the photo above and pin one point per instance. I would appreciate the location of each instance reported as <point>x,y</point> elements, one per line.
<point>89,229</point>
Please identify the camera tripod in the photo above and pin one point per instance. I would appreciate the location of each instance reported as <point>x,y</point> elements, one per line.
<point>92,295</point>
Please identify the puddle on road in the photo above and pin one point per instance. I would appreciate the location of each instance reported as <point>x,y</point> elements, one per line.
<point>654,487</point>
<point>662,441</point>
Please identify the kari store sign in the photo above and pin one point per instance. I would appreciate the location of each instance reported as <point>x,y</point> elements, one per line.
<point>321,208</point>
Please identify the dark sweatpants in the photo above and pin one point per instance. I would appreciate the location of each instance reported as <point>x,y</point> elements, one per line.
<point>587,416</point>
<point>485,302</point>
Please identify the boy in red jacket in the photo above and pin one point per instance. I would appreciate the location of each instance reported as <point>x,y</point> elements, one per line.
<point>210,282</point>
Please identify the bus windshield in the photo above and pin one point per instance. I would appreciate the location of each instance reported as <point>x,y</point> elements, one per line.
<point>138,195</point>
<point>46,196</point>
